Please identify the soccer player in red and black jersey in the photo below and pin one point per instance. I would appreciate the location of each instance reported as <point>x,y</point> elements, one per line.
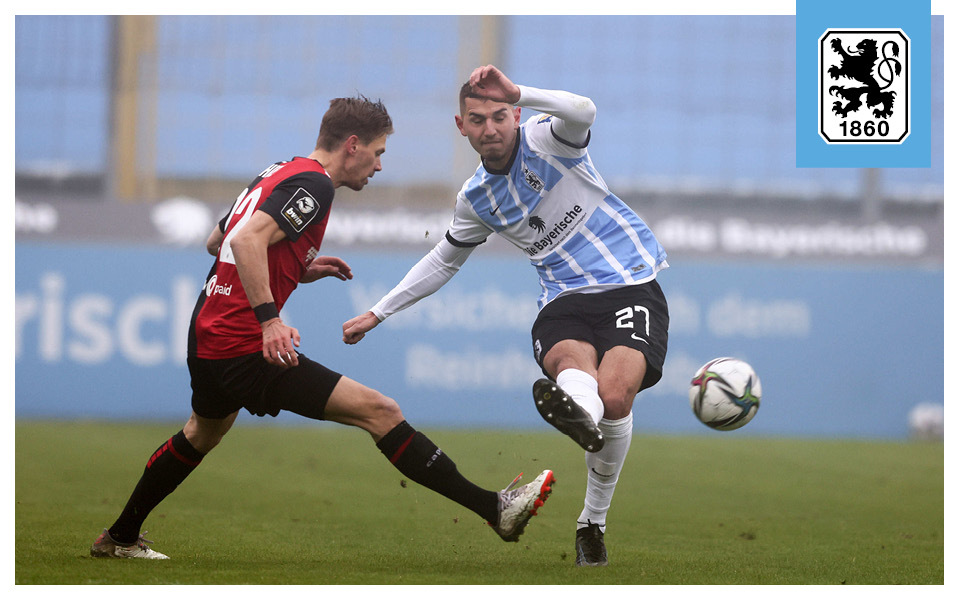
<point>242,355</point>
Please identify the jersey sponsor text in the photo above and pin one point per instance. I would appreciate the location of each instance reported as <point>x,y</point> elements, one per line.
<point>571,217</point>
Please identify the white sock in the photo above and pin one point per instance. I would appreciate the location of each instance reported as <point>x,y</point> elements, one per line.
<point>582,388</point>
<point>603,470</point>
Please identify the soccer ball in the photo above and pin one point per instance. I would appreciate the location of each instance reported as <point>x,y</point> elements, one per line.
<point>725,393</point>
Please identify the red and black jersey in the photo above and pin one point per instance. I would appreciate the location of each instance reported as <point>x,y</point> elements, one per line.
<point>297,194</point>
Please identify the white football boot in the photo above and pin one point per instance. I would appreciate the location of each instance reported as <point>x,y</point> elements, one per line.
<point>517,506</point>
<point>106,547</point>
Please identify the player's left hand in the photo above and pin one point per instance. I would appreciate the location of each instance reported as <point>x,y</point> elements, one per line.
<point>326,266</point>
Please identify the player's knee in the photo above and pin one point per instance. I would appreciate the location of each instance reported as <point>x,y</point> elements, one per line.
<point>389,411</point>
<point>205,443</point>
<point>617,401</point>
<point>381,411</point>
<point>203,439</point>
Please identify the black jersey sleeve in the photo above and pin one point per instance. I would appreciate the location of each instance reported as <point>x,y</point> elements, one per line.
<point>299,201</point>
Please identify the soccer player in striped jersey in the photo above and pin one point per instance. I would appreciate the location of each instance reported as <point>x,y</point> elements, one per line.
<point>601,334</point>
<point>242,355</point>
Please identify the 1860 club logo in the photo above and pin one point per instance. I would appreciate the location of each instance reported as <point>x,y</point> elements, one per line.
<point>864,86</point>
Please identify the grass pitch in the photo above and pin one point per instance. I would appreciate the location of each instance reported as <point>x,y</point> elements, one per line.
<point>320,505</point>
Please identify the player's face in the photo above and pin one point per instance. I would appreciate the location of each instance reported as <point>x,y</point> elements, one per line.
<point>364,162</point>
<point>491,128</point>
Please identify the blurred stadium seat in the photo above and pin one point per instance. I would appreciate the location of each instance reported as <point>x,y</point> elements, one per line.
<point>685,102</point>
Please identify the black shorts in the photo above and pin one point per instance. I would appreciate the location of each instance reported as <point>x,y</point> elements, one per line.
<point>635,316</point>
<point>224,386</point>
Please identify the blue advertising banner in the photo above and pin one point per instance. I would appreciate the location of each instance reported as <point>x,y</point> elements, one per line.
<point>841,351</point>
<point>863,83</point>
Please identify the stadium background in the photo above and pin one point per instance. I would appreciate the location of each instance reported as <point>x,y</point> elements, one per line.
<point>134,134</point>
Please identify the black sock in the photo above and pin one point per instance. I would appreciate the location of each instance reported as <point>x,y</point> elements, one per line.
<point>414,455</point>
<point>165,470</point>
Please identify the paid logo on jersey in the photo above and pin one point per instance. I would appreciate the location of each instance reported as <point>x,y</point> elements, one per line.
<point>212,288</point>
<point>300,209</point>
<point>864,86</point>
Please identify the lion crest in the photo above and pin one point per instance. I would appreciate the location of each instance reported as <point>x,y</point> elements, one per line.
<point>858,65</point>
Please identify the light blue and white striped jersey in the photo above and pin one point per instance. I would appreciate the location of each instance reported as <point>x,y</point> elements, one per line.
<point>553,204</point>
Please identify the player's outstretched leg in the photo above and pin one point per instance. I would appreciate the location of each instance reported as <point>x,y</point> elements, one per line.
<point>517,506</point>
<point>591,551</point>
<point>106,547</point>
<point>507,511</point>
<point>559,409</point>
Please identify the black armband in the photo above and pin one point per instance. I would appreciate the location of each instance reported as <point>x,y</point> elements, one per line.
<point>266,311</point>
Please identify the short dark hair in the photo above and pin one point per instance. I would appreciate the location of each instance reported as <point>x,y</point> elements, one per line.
<point>360,116</point>
<point>466,91</point>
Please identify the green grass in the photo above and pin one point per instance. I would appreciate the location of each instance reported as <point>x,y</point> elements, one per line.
<point>320,505</point>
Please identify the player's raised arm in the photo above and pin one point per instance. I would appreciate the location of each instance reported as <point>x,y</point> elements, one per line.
<point>574,114</point>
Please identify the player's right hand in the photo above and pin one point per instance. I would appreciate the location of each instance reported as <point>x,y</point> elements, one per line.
<point>357,327</point>
<point>278,343</point>
<point>490,82</point>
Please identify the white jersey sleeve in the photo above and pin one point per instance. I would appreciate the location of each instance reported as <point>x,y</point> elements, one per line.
<point>424,278</point>
<point>573,117</point>
<point>465,233</point>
